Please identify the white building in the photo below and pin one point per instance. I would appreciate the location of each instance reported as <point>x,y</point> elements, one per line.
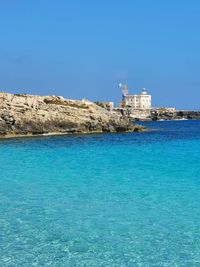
<point>141,101</point>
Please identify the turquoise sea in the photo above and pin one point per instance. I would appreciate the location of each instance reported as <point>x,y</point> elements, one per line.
<point>130,200</point>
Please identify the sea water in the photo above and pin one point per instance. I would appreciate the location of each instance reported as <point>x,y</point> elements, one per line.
<point>112,200</point>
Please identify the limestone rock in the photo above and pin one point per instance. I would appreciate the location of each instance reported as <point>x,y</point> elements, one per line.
<point>22,114</point>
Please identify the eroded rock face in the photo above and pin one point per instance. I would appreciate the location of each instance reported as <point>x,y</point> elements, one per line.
<point>27,114</point>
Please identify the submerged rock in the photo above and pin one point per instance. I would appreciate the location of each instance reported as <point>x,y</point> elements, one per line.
<point>22,114</point>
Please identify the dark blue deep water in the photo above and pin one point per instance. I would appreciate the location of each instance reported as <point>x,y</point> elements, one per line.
<point>130,200</point>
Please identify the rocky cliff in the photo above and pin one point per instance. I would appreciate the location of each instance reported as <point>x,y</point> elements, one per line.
<point>22,114</point>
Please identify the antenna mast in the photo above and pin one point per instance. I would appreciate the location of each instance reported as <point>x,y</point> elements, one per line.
<point>124,89</point>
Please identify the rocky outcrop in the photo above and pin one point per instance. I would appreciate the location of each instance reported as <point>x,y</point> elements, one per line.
<point>174,115</point>
<point>22,114</point>
<point>156,114</point>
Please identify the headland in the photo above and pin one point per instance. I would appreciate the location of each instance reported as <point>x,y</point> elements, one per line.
<point>138,107</point>
<point>30,115</point>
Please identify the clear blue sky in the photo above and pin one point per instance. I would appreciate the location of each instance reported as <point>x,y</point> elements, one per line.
<point>84,48</point>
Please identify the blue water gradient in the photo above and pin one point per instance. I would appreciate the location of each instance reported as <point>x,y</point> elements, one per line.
<point>102,200</point>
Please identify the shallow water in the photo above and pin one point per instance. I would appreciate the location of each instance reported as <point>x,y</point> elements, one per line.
<point>102,200</point>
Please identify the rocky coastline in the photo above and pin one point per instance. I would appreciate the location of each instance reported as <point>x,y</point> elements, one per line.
<point>175,115</point>
<point>157,114</point>
<point>30,115</point>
